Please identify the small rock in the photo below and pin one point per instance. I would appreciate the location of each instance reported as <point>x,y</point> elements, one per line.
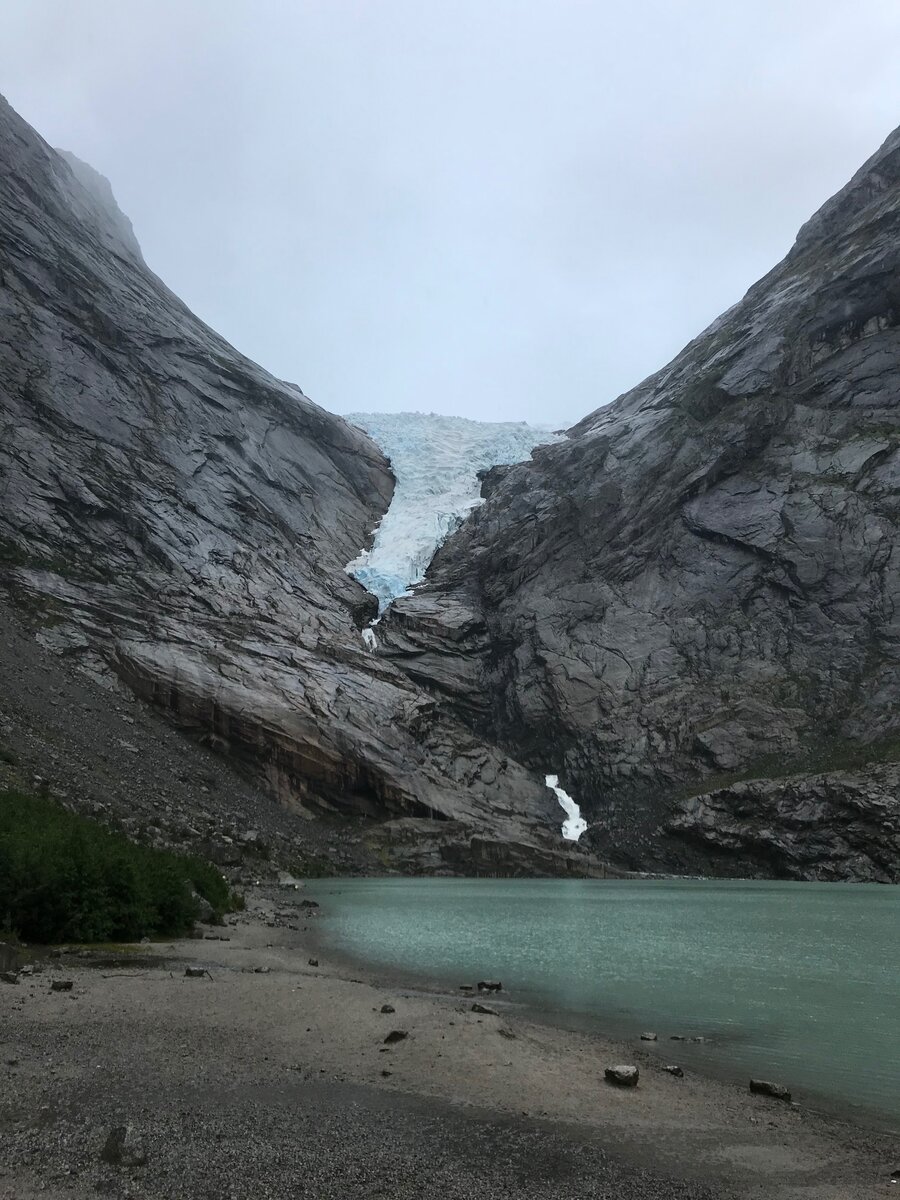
<point>507,1033</point>
<point>484,1008</point>
<point>387,1072</point>
<point>124,1147</point>
<point>466,987</point>
<point>488,985</point>
<point>622,1076</point>
<point>313,962</point>
<point>677,1037</point>
<point>61,985</point>
<point>648,1037</point>
<point>388,1008</point>
<point>309,904</point>
<point>261,970</point>
<point>674,1070</point>
<point>396,1035</point>
<point>194,972</point>
<point>762,1087</point>
<point>8,977</point>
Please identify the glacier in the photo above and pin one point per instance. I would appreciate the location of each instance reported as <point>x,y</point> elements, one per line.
<point>436,461</point>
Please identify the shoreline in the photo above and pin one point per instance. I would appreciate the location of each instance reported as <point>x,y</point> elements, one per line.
<point>236,1059</point>
<point>622,1030</point>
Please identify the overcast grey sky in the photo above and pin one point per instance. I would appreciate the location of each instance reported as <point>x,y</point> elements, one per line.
<point>502,210</point>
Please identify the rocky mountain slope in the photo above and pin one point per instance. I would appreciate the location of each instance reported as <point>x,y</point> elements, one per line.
<point>686,609</point>
<point>178,522</point>
<point>701,585</point>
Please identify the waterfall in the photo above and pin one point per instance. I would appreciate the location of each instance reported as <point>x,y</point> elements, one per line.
<point>574,824</point>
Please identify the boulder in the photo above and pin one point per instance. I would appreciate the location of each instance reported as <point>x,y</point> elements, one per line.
<point>622,1076</point>
<point>8,977</point>
<point>387,1008</point>
<point>194,972</point>
<point>486,985</point>
<point>205,911</point>
<point>485,1009</point>
<point>124,1147</point>
<point>648,1037</point>
<point>763,1087</point>
<point>61,985</point>
<point>673,1069</point>
<point>396,1035</point>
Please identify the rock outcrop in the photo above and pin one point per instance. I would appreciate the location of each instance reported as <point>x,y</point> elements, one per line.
<point>843,825</point>
<point>702,583</point>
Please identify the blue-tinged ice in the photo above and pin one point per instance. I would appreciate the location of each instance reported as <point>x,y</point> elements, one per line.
<point>436,461</point>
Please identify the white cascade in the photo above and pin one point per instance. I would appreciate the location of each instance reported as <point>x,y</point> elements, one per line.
<point>574,824</point>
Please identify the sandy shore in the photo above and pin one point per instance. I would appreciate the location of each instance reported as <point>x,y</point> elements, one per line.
<point>269,1077</point>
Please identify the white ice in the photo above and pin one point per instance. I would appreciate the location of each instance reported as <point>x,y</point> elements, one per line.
<point>574,824</point>
<point>435,461</point>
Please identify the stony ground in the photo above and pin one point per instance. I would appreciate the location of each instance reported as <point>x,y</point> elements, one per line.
<point>106,754</point>
<point>269,1076</point>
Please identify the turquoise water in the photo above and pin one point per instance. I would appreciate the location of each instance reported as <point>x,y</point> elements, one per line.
<point>795,982</point>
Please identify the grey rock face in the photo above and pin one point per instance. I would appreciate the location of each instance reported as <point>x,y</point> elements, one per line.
<point>178,521</point>
<point>837,826</point>
<point>704,579</point>
<point>93,196</point>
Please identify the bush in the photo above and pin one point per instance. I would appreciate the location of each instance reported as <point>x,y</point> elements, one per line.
<point>65,878</point>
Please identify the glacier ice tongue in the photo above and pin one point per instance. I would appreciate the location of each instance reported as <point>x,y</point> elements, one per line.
<point>436,461</point>
<point>574,824</point>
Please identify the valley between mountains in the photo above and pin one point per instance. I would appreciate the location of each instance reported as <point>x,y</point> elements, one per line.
<point>685,607</point>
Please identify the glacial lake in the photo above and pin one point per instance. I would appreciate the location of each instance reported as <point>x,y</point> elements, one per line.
<point>796,982</point>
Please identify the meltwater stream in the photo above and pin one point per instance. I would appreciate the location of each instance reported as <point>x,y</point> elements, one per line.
<point>799,982</point>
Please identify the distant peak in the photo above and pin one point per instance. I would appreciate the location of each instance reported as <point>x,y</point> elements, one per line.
<point>102,203</point>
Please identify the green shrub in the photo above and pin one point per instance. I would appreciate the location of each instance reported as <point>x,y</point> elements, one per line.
<point>66,878</point>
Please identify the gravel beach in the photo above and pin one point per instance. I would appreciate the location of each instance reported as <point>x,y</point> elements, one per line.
<point>270,1077</point>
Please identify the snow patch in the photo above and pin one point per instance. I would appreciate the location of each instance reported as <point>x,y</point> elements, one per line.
<point>574,824</point>
<point>436,461</point>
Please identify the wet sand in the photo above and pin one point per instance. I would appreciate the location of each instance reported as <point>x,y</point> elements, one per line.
<point>269,1077</point>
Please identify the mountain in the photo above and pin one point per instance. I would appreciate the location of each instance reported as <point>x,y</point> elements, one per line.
<point>178,523</point>
<point>684,611</point>
<point>692,602</point>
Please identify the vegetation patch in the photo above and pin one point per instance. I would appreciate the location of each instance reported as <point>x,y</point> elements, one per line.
<point>64,878</point>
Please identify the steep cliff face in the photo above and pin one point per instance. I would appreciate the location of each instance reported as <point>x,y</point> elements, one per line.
<point>687,609</point>
<point>180,522</point>
<point>702,582</point>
